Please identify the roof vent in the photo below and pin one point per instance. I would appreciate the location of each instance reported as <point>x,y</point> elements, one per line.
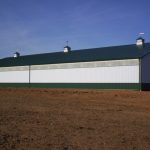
<point>67,48</point>
<point>140,40</point>
<point>16,54</point>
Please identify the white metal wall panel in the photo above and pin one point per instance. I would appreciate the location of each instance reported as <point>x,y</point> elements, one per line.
<point>116,71</point>
<point>116,74</point>
<point>14,77</point>
<point>17,68</point>
<point>93,64</point>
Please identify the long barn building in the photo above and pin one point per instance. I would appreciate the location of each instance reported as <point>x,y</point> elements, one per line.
<point>117,67</point>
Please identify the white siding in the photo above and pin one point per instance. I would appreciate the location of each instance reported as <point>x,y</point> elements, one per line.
<point>116,71</point>
<point>93,64</point>
<point>17,68</point>
<point>18,74</point>
<point>117,74</point>
<point>14,77</point>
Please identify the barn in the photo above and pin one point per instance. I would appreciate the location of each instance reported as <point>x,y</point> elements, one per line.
<point>117,67</point>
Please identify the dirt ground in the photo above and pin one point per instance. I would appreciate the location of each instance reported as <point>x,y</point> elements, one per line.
<point>72,119</point>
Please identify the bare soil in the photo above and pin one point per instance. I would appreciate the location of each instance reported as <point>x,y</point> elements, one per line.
<point>73,119</point>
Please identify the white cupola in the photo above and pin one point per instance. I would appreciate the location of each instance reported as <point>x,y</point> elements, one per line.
<point>16,54</point>
<point>140,41</point>
<point>67,48</point>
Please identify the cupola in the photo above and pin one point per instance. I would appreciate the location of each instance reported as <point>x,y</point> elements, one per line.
<point>16,54</point>
<point>67,48</point>
<point>140,41</point>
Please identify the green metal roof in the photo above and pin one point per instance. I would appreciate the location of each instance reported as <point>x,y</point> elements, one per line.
<point>84,55</point>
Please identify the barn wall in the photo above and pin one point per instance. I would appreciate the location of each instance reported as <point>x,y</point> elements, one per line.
<point>14,74</point>
<point>122,71</point>
<point>117,74</point>
<point>100,74</point>
<point>145,72</point>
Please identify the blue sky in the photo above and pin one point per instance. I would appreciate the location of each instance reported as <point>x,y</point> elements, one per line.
<point>40,26</point>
